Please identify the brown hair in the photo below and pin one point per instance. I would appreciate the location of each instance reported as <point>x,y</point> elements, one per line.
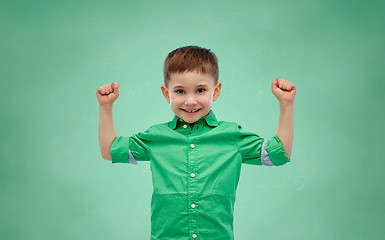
<point>191,58</point>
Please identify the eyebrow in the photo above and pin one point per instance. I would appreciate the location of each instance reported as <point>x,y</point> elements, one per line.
<point>200,85</point>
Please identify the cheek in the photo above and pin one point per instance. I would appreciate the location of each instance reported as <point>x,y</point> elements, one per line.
<point>207,100</point>
<point>174,100</point>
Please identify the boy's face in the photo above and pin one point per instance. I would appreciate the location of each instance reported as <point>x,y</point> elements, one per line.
<point>191,94</point>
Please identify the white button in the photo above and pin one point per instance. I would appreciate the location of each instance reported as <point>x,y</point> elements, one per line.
<point>194,235</point>
<point>185,126</point>
<point>192,174</point>
<point>193,205</point>
<point>192,145</point>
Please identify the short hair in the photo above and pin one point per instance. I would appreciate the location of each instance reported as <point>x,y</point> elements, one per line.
<point>189,59</point>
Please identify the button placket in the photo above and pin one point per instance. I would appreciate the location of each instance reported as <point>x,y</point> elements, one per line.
<point>192,185</point>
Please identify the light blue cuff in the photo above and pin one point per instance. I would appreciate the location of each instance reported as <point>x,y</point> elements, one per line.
<point>131,158</point>
<point>265,159</point>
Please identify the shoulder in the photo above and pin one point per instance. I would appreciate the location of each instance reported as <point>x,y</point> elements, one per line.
<point>227,124</point>
<point>230,127</point>
<point>156,128</point>
<point>237,130</point>
<point>155,131</point>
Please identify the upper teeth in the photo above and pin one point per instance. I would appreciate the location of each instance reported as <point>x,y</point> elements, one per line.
<point>192,111</point>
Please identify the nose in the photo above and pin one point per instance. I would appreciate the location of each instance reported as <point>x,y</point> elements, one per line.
<point>190,100</point>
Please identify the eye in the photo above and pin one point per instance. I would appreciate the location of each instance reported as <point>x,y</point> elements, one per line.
<point>201,90</point>
<point>179,91</point>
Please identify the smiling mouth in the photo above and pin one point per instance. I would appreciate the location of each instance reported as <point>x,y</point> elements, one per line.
<point>191,111</point>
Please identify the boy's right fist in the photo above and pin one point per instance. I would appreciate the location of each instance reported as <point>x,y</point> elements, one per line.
<point>107,94</point>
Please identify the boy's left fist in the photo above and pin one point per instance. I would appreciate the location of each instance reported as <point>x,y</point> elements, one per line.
<point>283,90</point>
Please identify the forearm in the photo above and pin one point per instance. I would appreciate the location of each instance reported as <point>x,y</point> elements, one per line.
<point>107,132</point>
<point>285,130</point>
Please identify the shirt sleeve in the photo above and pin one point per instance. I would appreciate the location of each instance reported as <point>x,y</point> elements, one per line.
<point>130,149</point>
<point>256,150</point>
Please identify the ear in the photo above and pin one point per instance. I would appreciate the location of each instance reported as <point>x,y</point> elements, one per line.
<point>217,91</point>
<point>166,93</point>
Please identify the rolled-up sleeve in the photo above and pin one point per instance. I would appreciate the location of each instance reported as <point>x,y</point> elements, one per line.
<point>276,152</point>
<point>256,150</point>
<point>129,149</point>
<point>119,149</point>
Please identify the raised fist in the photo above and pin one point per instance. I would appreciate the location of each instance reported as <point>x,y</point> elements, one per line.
<point>107,94</point>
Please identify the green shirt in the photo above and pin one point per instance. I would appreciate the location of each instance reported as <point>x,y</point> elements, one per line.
<point>195,173</point>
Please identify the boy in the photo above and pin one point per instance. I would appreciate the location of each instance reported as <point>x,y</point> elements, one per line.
<point>195,159</point>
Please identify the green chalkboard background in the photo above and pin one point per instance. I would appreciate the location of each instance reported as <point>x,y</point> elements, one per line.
<point>54,184</point>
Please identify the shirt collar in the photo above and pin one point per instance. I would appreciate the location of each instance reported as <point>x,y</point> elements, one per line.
<point>210,120</point>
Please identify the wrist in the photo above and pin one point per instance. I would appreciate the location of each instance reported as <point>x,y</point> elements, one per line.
<point>286,104</point>
<point>107,108</point>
